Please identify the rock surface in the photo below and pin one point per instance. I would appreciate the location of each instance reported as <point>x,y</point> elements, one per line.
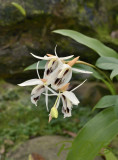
<point>20,35</point>
<point>45,146</point>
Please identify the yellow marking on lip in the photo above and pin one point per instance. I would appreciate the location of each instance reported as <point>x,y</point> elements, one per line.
<point>62,72</point>
<point>51,62</point>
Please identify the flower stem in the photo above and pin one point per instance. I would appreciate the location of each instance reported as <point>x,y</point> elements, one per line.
<point>108,83</point>
<point>57,99</point>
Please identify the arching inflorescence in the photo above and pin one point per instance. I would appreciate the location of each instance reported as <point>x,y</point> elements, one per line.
<point>57,75</point>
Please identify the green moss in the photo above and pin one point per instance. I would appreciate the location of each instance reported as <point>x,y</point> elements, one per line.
<point>20,120</point>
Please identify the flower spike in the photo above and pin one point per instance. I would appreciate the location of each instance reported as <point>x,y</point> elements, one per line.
<point>57,74</point>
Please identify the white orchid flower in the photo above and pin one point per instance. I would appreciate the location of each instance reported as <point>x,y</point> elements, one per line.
<point>50,57</point>
<point>39,89</point>
<point>68,99</point>
<point>52,66</point>
<point>64,74</point>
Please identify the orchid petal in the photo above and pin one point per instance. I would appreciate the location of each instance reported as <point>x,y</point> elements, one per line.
<point>36,92</point>
<point>51,94</point>
<point>55,50</point>
<point>57,105</point>
<point>68,57</point>
<point>51,70</point>
<point>37,67</point>
<point>71,96</point>
<point>50,89</point>
<point>46,98</point>
<point>31,82</point>
<point>81,71</point>
<point>78,86</point>
<point>43,58</point>
<point>63,76</point>
<point>67,107</point>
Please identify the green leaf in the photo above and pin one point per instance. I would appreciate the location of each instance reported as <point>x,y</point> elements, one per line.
<point>88,68</point>
<point>107,63</point>
<point>79,66</point>
<point>92,43</point>
<point>33,66</point>
<point>116,107</point>
<point>96,134</point>
<point>114,73</point>
<point>106,101</point>
<point>61,149</point>
<point>109,155</point>
<point>20,8</point>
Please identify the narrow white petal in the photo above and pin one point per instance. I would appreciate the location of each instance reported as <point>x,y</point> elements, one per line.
<point>37,67</point>
<point>71,96</point>
<point>78,86</point>
<point>50,89</point>
<point>46,98</point>
<point>43,58</point>
<point>55,50</point>
<point>51,94</point>
<point>81,71</point>
<point>68,57</point>
<point>58,102</point>
<point>31,82</point>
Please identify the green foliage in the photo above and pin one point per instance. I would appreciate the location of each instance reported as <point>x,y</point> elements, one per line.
<point>109,155</point>
<point>96,134</point>
<point>99,131</point>
<point>95,73</point>
<point>20,8</point>
<point>107,101</point>
<point>33,66</point>
<point>20,120</point>
<point>92,43</point>
<point>108,63</point>
<point>114,73</point>
<point>116,107</point>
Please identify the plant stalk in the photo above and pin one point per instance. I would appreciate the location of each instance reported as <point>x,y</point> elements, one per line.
<point>108,83</point>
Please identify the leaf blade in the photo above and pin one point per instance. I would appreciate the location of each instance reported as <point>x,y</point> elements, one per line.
<point>106,101</point>
<point>107,63</point>
<point>33,66</point>
<point>92,43</point>
<point>88,68</point>
<point>109,155</point>
<point>94,135</point>
<point>114,73</point>
<point>20,8</point>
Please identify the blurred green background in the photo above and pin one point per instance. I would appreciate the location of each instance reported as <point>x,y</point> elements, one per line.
<point>27,27</point>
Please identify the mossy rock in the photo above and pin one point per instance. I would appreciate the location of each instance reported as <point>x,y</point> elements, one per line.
<point>20,35</point>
